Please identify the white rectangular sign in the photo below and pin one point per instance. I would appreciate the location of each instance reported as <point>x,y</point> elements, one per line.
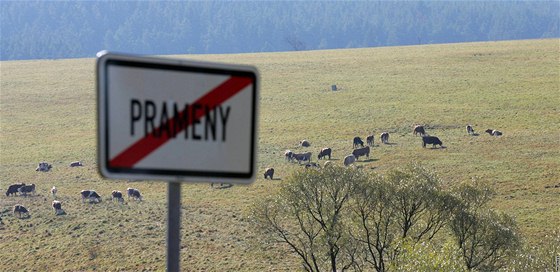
<point>176,120</point>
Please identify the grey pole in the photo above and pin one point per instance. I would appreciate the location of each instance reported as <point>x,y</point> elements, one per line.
<point>173,226</point>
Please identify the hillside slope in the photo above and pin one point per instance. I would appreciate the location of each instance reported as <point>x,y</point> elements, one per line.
<point>47,113</point>
<point>35,29</point>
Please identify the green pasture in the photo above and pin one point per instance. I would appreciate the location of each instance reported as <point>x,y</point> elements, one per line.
<point>48,113</point>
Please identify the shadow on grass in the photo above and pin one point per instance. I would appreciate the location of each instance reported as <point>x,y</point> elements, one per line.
<point>391,144</point>
<point>436,148</point>
<point>273,179</point>
<point>369,160</point>
<point>28,195</point>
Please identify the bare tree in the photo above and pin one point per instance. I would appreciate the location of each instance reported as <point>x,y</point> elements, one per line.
<point>422,207</point>
<point>486,238</point>
<point>406,203</point>
<point>338,218</point>
<point>309,215</point>
<point>374,218</point>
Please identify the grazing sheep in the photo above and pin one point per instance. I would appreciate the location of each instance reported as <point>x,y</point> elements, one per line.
<point>57,206</point>
<point>117,195</point>
<point>76,164</point>
<point>327,164</point>
<point>324,152</point>
<point>364,151</point>
<point>288,155</point>
<point>357,141</point>
<point>302,157</point>
<point>269,172</point>
<point>305,143</point>
<point>419,130</point>
<point>43,167</point>
<point>53,191</point>
<point>493,132</point>
<point>369,140</point>
<point>91,196</point>
<point>431,140</point>
<point>350,159</point>
<point>14,189</point>
<point>26,189</point>
<point>384,137</point>
<point>20,209</point>
<point>470,130</point>
<point>311,164</point>
<point>134,193</point>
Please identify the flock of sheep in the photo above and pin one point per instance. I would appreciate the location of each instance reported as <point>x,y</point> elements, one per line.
<point>87,195</point>
<point>360,150</point>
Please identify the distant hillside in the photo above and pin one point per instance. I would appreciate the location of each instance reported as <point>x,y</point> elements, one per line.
<point>48,113</point>
<point>72,29</point>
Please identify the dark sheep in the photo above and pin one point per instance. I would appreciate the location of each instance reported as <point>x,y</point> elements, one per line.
<point>357,141</point>
<point>324,152</point>
<point>364,151</point>
<point>302,157</point>
<point>419,130</point>
<point>134,193</point>
<point>43,167</point>
<point>13,189</point>
<point>288,155</point>
<point>269,172</point>
<point>26,189</point>
<point>369,140</point>
<point>494,132</point>
<point>305,143</point>
<point>312,164</point>
<point>431,140</point>
<point>117,195</point>
<point>57,206</point>
<point>470,130</point>
<point>90,195</point>
<point>384,137</point>
<point>20,209</point>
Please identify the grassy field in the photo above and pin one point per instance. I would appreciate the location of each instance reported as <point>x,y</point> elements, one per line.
<point>47,113</point>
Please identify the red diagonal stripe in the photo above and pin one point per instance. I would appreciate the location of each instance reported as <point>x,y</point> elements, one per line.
<point>143,147</point>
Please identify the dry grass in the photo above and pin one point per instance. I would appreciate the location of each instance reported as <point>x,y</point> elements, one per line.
<point>47,113</point>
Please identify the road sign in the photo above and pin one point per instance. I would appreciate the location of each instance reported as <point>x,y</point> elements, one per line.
<point>176,120</point>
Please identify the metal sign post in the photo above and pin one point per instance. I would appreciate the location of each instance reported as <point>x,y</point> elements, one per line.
<point>177,121</point>
<point>173,226</point>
